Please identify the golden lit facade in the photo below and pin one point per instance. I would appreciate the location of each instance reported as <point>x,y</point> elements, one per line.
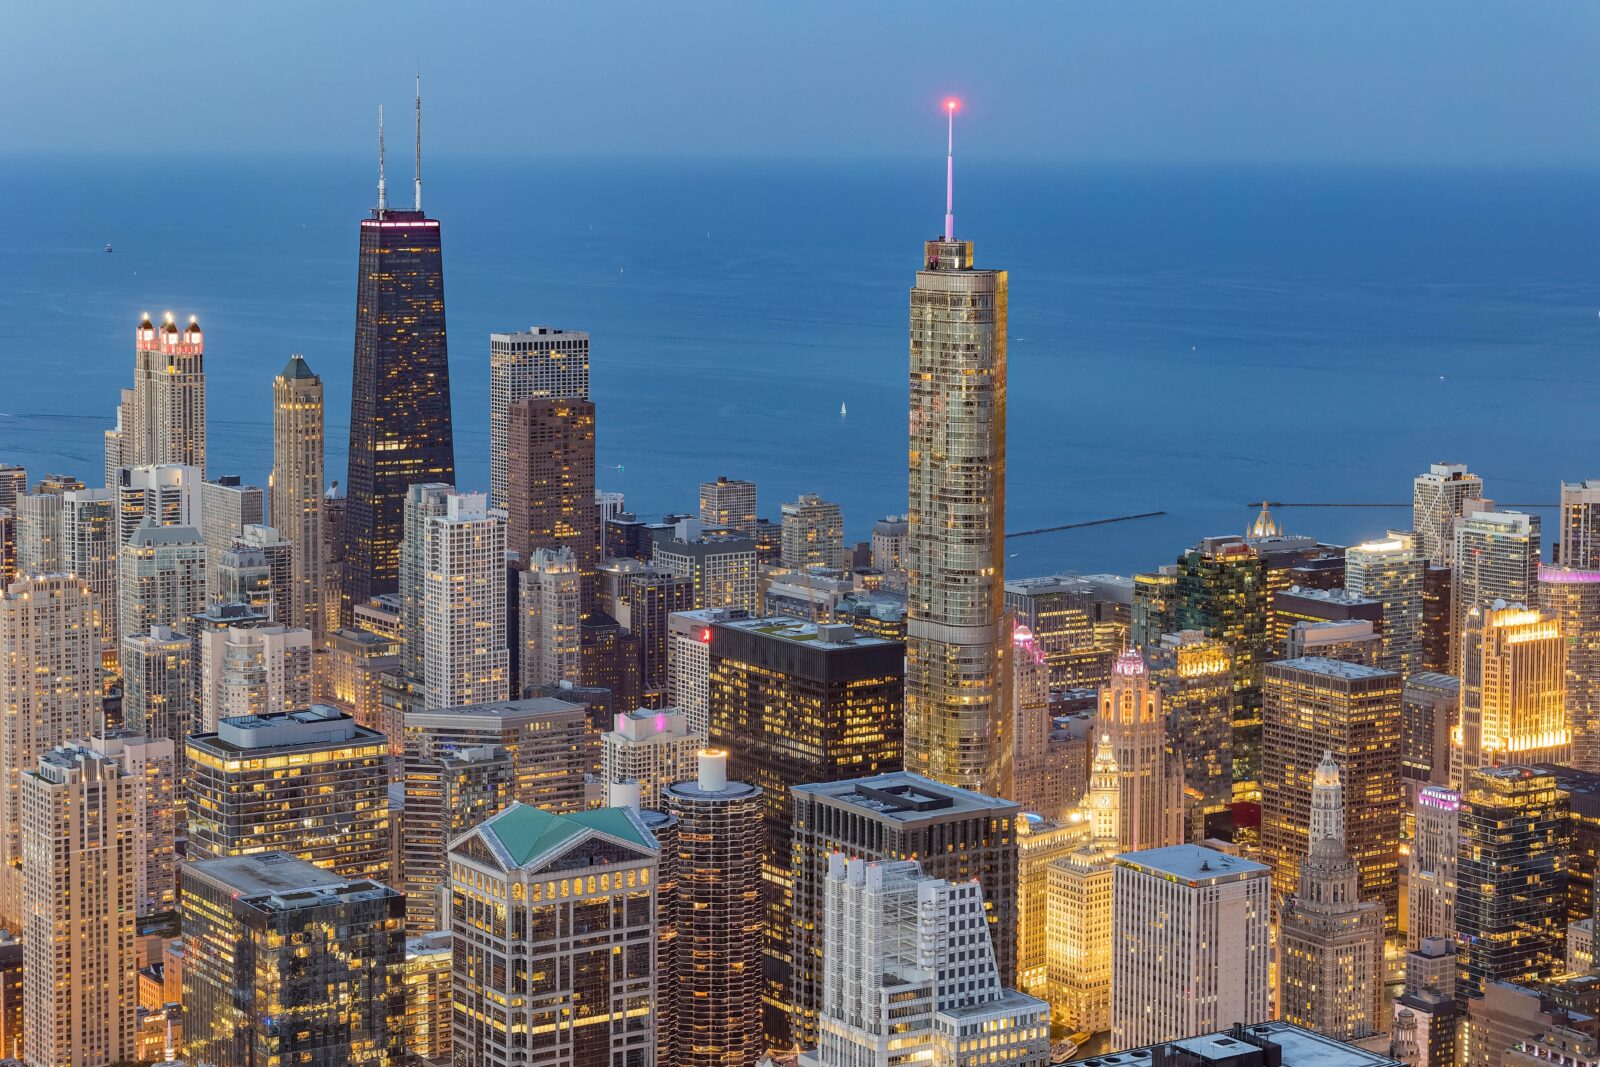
<point>1039,844</point>
<point>89,543</point>
<point>1351,711</point>
<point>551,483</point>
<point>296,489</point>
<point>352,681</point>
<point>1391,571</point>
<point>541,362</point>
<point>1571,597</point>
<point>957,713</point>
<point>1150,775</point>
<point>427,982</point>
<point>1513,690</point>
<point>1194,674</point>
<point>1496,557</point>
<point>1079,908</point>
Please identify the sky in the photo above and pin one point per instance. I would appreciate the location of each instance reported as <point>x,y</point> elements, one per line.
<point>1423,82</point>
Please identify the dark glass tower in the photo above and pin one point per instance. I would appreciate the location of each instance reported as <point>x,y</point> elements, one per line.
<point>400,432</point>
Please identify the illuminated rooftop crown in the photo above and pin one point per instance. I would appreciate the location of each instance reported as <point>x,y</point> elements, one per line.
<point>1130,663</point>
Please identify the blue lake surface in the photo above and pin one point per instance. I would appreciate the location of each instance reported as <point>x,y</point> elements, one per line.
<point>1183,340</point>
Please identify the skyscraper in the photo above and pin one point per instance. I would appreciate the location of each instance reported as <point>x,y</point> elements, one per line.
<point>1439,497</point>
<point>541,362</point>
<point>1580,525</point>
<point>167,421</point>
<point>1513,690</point>
<point>548,740</point>
<point>1194,674</point>
<point>89,547</point>
<point>1571,597</point>
<point>151,766</point>
<point>227,506</point>
<point>161,578</point>
<point>400,429</point>
<point>1330,941</point>
<point>297,487</point>
<point>652,749</point>
<point>446,795</point>
<point>957,713</point>
<point>461,592</point>
<point>165,495</point>
<point>728,504</point>
<point>1496,558</point>
<point>1390,571</point>
<point>1149,773</point>
<point>722,567</point>
<point>1191,945</point>
<point>813,533</point>
<point>549,488</point>
<point>1078,953</point>
<point>250,670</point>
<point>39,518</point>
<point>158,680</point>
<point>551,593</point>
<point>1431,871</point>
<point>49,696</point>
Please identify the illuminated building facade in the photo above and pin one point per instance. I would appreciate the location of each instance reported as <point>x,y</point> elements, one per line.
<point>1579,544</point>
<point>1431,866</point>
<point>462,598</point>
<point>1036,783</point>
<point>909,976</point>
<point>548,739</point>
<point>426,975</point>
<point>795,703</point>
<point>1190,943</point>
<point>1496,558</point>
<point>1511,878</point>
<point>1439,497</point>
<point>151,766</point>
<point>1513,690</point>
<point>728,504</point>
<point>1154,610</point>
<point>550,491</point>
<point>1149,772</point>
<point>956,834</point>
<point>1571,598</point>
<point>889,550</point>
<point>161,578</point>
<point>1061,613</point>
<point>550,589</point>
<point>689,662</point>
<point>291,963</point>
<point>166,419</point>
<point>1430,705</point>
<point>812,533</point>
<point>297,487</point>
<point>1390,571</point>
<point>1040,842</point>
<point>957,710</point>
<point>89,546</point>
<point>647,602</point>
<point>352,680</point>
<point>166,495</point>
<point>722,567</point>
<point>540,362</point>
<point>310,783</point>
<point>1438,583</point>
<point>158,685</point>
<point>251,670</point>
<point>227,506</point>
<point>1323,706</point>
<point>1298,604</point>
<point>1330,941</point>
<point>1078,950</point>
<point>445,796</point>
<point>1194,675</point>
<point>652,748</point>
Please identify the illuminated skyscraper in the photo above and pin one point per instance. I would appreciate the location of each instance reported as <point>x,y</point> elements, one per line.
<point>1438,498</point>
<point>462,598</point>
<point>1330,942</point>
<point>1580,525</point>
<point>722,567</point>
<point>813,533</point>
<point>542,362</point>
<point>728,503</point>
<point>227,506</point>
<point>651,749</point>
<point>1317,706</point>
<point>1571,597</point>
<point>167,420</point>
<point>1431,870</point>
<point>1496,558</point>
<point>446,795</point>
<point>551,593</point>
<point>1194,674</point>
<point>1151,776</point>
<point>1390,570</point>
<point>1033,783</point>
<point>165,495</point>
<point>161,578</point>
<point>89,546</point>
<point>1511,875</point>
<point>957,712</point>
<point>39,517</point>
<point>250,670</point>
<point>549,741</point>
<point>400,429</point>
<point>549,489</point>
<point>158,681</point>
<point>1513,690</point>
<point>297,487</point>
<point>151,764</point>
<point>1078,950</point>
<point>428,1006</point>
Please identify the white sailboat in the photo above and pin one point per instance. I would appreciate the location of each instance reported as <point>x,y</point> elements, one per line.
<point>842,412</point>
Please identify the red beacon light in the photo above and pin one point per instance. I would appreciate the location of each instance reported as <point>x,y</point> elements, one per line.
<point>705,636</point>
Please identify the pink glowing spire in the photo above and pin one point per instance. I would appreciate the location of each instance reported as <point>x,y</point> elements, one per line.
<point>950,172</point>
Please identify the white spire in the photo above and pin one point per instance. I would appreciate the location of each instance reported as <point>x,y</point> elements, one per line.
<point>950,174</point>
<point>383,192</point>
<point>418,203</point>
<point>1327,802</point>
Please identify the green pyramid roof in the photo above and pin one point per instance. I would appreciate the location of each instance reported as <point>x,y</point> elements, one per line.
<point>297,367</point>
<point>526,832</point>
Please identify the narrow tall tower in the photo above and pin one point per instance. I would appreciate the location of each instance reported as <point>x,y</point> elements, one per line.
<point>957,714</point>
<point>400,428</point>
<point>1150,776</point>
<point>167,420</point>
<point>297,486</point>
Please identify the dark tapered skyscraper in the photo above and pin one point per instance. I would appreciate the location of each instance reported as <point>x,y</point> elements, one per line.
<point>400,431</point>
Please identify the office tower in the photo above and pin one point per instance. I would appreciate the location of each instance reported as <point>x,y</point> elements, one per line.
<point>1390,571</point>
<point>689,663</point>
<point>297,488</point>
<point>1511,874</point>
<point>550,482</point>
<point>154,787</point>
<point>49,694</point>
<point>1430,705</point>
<point>1150,775</point>
<point>889,550</point>
<point>427,996</point>
<point>797,703</point>
<point>542,362</point>
<point>1496,558</point>
<point>39,520</point>
<point>79,865</point>
<point>11,1006</point>
<point>311,783</point>
<point>251,670</point>
<point>1351,711</point>
<point>720,843</point>
<point>1513,690</point>
<point>1194,675</point>
<point>1155,607</point>
<point>158,684</point>
<point>1301,604</point>
<point>8,546</point>
<point>1033,785</point>
<point>445,796</point>
<point>723,569</point>
<point>163,418</point>
<point>813,533</point>
<point>1330,942</point>
<point>650,748</point>
<point>462,597</point>
<point>1437,635</point>
<point>955,833</point>
<point>548,740</point>
<point>909,975</point>
<point>89,550</point>
<point>291,963</point>
<point>1078,955</point>
<point>227,506</point>
<point>1571,598</point>
<point>595,993</point>
<point>400,430</point>
<point>551,593</point>
<point>1579,543</point>
<point>1190,943</point>
<point>649,598</point>
<point>161,578</point>
<point>331,539</point>
<point>353,680</point>
<point>1427,1012</point>
<point>1060,611</point>
<point>728,504</point>
<point>1352,642</point>
<point>1220,589</point>
<point>13,484</point>
<point>1431,870</point>
<point>1040,843</point>
<point>1439,498</point>
<point>166,495</point>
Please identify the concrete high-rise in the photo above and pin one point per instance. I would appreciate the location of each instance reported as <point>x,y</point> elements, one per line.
<point>719,911</point>
<point>1439,497</point>
<point>291,963</point>
<point>549,742</point>
<point>400,428</point>
<point>165,495</point>
<point>158,685</point>
<point>1431,867</point>
<point>1513,690</point>
<point>813,533</point>
<point>593,871</point>
<point>550,483</point>
<point>722,567</point>
<point>651,748</point>
<point>728,504</point>
<point>49,696</point>
<point>161,578</point>
<point>1571,597</point>
<point>889,550</point>
<point>540,362</point>
<point>39,520</point>
<point>79,869</point>
<point>250,670</point>
<point>227,506</point>
<point>167,420</point>
<point>1496,558</point>
<point>445,796</point>
<point>89,547</point>
<point>957,711</point>
<point>1330,941</point>
<point>297,487</point>
<point>465,656</point>
<point>689,662</point>
<point>1579,544</point>
<point>550,588</point>
<point>1191,945</point>
<point>1149,772</point>
<point>151,765</point>
<point>1390,570</point>
<point>1317,706</point>
<point>1430,707</point>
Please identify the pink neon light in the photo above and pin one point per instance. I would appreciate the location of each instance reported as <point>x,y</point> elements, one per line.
<point>1567,575</point>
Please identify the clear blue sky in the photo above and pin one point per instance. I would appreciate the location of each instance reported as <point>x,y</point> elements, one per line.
<point>1419,81</point>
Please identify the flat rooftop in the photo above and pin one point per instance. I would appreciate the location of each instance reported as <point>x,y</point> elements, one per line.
<point>1333,668</point>
<point>824,635</point>
<point>1190,862</point>
<point>1301,1048</point>
<point>906,797</point>
<point>494,710</point>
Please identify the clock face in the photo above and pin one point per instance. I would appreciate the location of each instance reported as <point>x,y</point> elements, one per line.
<point>1102,801</point>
